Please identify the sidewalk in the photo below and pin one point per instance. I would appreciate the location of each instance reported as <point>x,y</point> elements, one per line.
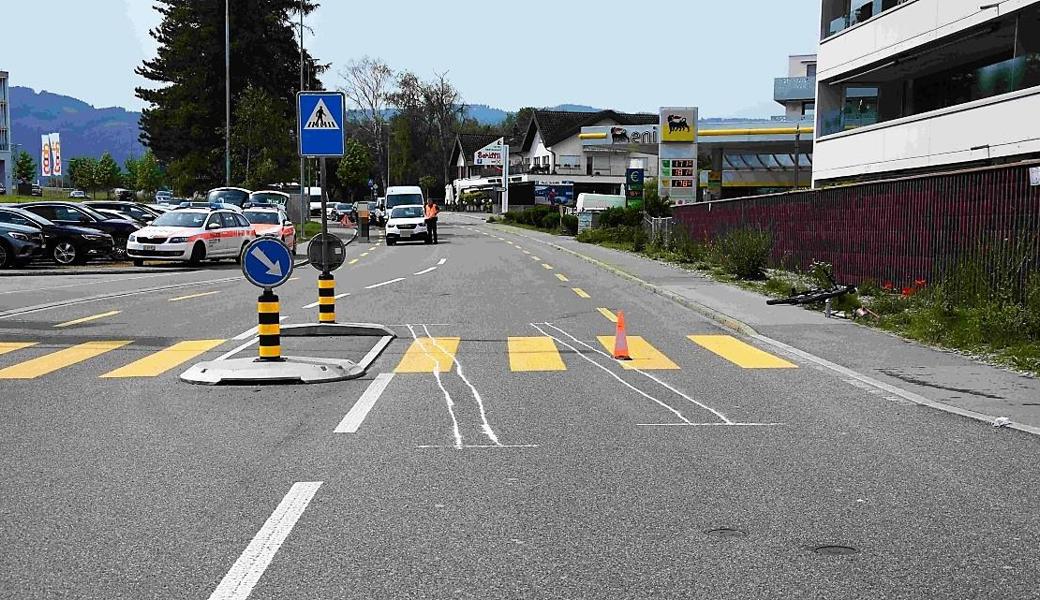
<point>933,377</point>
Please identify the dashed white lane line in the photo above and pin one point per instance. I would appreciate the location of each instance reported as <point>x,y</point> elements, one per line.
<point>314,304</point>
<point>352,422</point>
<point>250,566</point>
<point>379,285</point>
<point>425,271</point>
<point>442,261</point>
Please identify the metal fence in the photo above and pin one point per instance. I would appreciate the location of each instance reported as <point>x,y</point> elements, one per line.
<point>898,231</point>
<point>658,229</point>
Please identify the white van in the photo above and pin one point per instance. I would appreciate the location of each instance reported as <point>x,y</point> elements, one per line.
<point>403,195</point>
<point>599,202</point>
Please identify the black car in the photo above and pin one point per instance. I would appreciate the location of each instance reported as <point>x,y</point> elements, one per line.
<point>19,244</point>
<point>133,210</point>
<point>72,213</point>
<point>64,244</point>
<point>3,189</point>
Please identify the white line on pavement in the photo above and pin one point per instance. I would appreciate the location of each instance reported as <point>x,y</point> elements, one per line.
<point>352,422</point>
<point>485,425</point>
<point>374,353</point>
<point>442,261</point>
<point>379,285</point>
<point>447,397</point>
<point>250,566</point>
<point>425,271</point>
<point>313,304</point>
<point>613,374</point>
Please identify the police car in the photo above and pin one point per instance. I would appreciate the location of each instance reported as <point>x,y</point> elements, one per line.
<point>272,222</point>
<point>192,235</point>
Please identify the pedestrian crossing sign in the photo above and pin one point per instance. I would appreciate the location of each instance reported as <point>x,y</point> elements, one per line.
<point>320,117</point>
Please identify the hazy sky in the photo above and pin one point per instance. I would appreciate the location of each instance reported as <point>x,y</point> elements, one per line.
<point>721,56</point>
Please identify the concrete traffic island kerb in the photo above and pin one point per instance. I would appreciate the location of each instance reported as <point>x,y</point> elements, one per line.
<point>268,263</point>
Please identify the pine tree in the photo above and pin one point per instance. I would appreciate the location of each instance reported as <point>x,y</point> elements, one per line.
<point>185,124</point>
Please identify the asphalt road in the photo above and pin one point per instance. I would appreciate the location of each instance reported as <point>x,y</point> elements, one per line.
<point>485,466</point>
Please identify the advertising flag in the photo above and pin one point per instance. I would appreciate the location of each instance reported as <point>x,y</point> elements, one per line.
<point>45,156</point>
<point>56,154</point>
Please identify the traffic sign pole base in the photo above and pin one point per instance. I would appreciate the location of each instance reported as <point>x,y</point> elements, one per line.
<point>290,370</point>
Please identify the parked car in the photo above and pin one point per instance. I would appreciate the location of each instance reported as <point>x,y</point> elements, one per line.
<point>115,214</point>
<point>272,222</point>
<point>72,213</point>
<point>64,244</point>
<point>139,212</point>
<point>36,191</point>
<point>229,195</point>
<point>3,189</point>
<point>163,197</point>
<point>269,198</point>
<point>159,209</point>
<point>78,195</point>
<point>19,244</point>
<point>379,212</point>
<point>192,235</point>
<point>125,195</point>
<point>338,209</point>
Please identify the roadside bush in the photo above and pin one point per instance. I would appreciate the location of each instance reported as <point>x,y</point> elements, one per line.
<point>744,253</point>
<point>685,247</point>
<point>550,221</point>
<point>621,217</point>
<point>570,224</point>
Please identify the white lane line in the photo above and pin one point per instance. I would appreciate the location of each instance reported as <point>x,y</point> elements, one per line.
<point>447,397</point>
<point>614,375</point>
<point>248,333</point>
<point>313,304</point>
<point>250,566</point>
<point>352,422</point>
<point>379,285</point>
<point>645,374</point>
<point>442,261</point>
<point>485,425</point>
<point>238,349</point>
<point>425,271</point>
<point>374,353</point>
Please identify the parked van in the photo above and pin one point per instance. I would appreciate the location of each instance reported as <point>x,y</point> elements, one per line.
<point>599,202</point>
<point>403,195</point>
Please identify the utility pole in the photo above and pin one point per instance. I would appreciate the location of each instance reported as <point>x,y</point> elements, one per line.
<point>227,92</point>
<point>305,209</point>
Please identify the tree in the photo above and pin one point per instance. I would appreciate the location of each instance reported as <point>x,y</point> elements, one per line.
<point>442,104</point>
<point>24,167</point>
<point>185,123</point>
<point>368,88</point>
<point>149,176</point>
<point>426,182</point>
<point>81,172</point>
<point>261,139</point>
<point>355,167</point>
<point>130,169</point>
<point>107,174</point>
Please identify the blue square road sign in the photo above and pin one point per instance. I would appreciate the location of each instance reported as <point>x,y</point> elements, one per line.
<point>320,118</point>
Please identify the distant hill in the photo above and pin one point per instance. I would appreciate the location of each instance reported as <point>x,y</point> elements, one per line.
<point>85,130</point>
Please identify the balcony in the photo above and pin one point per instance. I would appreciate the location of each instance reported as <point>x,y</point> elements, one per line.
<point>791,89</point>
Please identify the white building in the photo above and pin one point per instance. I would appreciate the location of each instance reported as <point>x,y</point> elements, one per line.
<point>6,157</point>
<point>797,91</point>
<point>910,86</point>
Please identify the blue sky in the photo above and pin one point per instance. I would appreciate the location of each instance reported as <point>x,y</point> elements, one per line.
<point>721,56</point>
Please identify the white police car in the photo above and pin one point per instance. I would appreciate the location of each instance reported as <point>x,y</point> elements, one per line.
<point>192,235</point>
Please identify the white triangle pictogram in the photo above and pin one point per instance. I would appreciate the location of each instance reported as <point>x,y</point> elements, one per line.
<point>321,118</point>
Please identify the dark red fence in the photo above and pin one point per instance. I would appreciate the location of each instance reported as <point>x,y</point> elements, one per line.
<point>894,231</point>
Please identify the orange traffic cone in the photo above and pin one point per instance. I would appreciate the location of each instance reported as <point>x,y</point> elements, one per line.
<point>621,340</point>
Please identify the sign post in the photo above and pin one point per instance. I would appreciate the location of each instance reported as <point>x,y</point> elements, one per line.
<point>268,263</point>
<point>321,116</point>
<point>678,178</point>
<point>496,154</point>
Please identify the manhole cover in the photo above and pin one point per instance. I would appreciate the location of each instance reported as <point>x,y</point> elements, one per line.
<point>726,532</point>
<point>835,550</point>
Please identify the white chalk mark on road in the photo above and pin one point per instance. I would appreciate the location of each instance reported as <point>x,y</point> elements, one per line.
<point>447,397</point>
<point>379,285</point>
<point>250,566</point>
<point>425,271</point>
<point>485,425</point>
<point>352,422</point>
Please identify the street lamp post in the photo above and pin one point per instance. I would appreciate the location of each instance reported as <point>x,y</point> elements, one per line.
<point>227,92</point>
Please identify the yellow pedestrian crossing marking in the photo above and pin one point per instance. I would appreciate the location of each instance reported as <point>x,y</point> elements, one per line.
<point>6,347</point>
<point>547,267</point>
<point>527,354</point>
<point>581,293</point>
<point>535,258</point>
<point>427,354</point>
<point>608,314</point>
<point>355,261</point>
<point>644,356</point>
<point>364,254</point>
<point>158,363</point>
<point>37,367</point>
<point>562,277</point>
<point>193,296</point>
<point>739,353</point>
<point>110,313</point>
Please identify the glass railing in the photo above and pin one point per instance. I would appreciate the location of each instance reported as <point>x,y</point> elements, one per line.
<point>794,88</point>
<point>1011,75</point>
<point>859,11</point>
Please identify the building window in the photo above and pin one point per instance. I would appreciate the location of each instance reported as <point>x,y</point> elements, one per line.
<point>810,70</point>
<point>839,15</point>
<point>808,109</point>
<point>570,161</point>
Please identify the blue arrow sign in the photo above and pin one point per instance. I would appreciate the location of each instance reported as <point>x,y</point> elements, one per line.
<point>267,263</point>
<point>320,118</point>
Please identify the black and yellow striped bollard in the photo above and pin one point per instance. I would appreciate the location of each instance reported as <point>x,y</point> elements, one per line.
<point>326,298</point>
<point>270,329</point>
